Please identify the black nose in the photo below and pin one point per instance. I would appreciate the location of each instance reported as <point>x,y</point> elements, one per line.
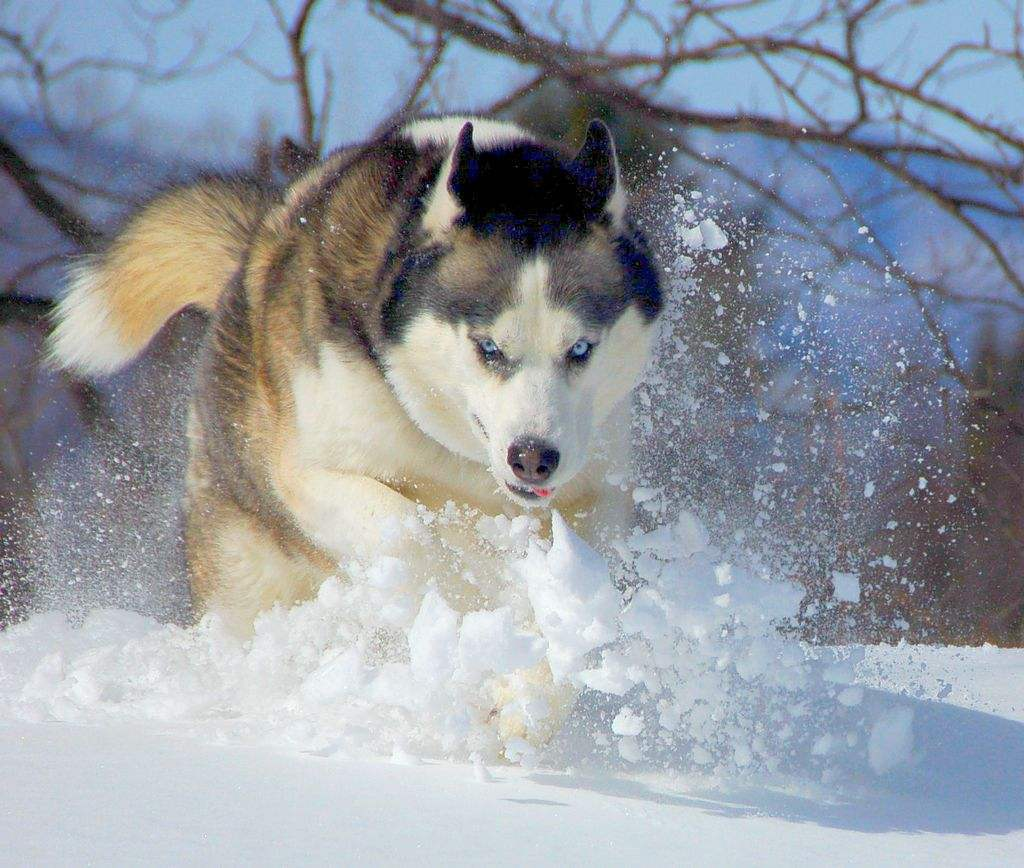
<point>532,461</point>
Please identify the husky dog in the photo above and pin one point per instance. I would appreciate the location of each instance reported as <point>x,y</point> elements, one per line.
<point>455,312</point>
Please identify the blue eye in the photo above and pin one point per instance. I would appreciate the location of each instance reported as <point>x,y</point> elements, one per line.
<point>488,347</point>
<point>580,350</point>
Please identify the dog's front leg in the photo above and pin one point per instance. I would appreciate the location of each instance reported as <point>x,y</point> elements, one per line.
<point>345,514</point>
<point>359,517</point>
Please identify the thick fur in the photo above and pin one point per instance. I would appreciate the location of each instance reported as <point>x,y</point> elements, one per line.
<point>342,386</point>
<point>180,250</point>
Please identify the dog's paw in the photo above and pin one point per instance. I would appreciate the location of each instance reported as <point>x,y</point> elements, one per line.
<point>528,707</point>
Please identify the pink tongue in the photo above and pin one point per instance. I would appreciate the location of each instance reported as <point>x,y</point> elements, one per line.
<point>542,492</point>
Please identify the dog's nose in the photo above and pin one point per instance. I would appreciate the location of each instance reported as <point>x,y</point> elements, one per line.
<point>531,460</point>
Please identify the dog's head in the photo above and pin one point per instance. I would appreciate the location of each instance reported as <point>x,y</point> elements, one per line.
<point>522,312</point>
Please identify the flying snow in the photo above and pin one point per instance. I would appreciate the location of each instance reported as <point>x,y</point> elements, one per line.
<point>682,675</point>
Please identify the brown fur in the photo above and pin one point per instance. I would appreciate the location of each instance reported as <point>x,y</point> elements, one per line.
<point>281,277</point>
<point>179,250</point>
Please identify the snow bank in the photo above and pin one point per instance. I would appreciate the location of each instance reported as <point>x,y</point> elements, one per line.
<point>690,673</point>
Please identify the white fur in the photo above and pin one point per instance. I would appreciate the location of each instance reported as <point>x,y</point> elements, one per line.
<point>442,209</point>
<point>437,375</point>
<point>539,400</point>
<point>85,337</point>
<point>616,205</point>
<point>444,131</point>
<point>352,459</point>
<point>354,480</point>
<point>431,398</point>
<point>367,453</point>
<point>333,476</point>
<point>359,468</point>
<point>358,473</point>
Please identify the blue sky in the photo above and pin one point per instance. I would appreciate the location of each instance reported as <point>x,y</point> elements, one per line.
<point>213,117</point>
<point>220,109</point>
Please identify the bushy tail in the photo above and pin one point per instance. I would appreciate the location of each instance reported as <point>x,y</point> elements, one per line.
<point>181,249</point>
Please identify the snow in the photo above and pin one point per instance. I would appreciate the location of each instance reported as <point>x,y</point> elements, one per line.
<point>627,722</point>
<point>381,722</point>
<point>378,722</point>
<point>712,235</point>
<point>572,597</point>
<point>381,663</point>
<point>638,704</point>
<point>129,793</point>
<point>984,679</point>
<point>695,233</point>
<point>891,742</point>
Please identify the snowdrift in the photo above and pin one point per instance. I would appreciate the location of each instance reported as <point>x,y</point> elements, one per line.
<point>690,673</point>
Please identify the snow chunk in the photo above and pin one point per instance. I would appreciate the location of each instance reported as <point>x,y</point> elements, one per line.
<point>891,742</point>
<point>490,642</point>
<point>434,639</point>
<point>847,586</point>
<point>383,664</point>
<point>628,722</point>
<point>572,596</point>
<point>690,236</point>
<point>629,749</point>
<point>712,235</point>
<point>706,235</point>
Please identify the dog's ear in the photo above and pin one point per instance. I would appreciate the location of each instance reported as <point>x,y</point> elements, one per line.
<point>465,165</point>
<point>596,166</point>
<point>455,180</point>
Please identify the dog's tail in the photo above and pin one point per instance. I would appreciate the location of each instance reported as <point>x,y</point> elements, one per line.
<point>180,249</point>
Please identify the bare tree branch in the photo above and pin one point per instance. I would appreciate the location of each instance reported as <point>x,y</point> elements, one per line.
<point>71,224</point>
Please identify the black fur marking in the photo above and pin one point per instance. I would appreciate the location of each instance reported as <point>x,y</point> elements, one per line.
<point>416,289</point>
<point>531,196</point>
<point>475,310</point>
<point>411,291</point>
<point>404,239</point>
<point>528,192</point>
<point>597,165</point>
<point>598,310</point>
<point>640,274</point>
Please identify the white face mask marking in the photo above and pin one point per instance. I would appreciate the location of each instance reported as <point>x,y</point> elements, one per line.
<point>528,405</point>
<point>536,412</point>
